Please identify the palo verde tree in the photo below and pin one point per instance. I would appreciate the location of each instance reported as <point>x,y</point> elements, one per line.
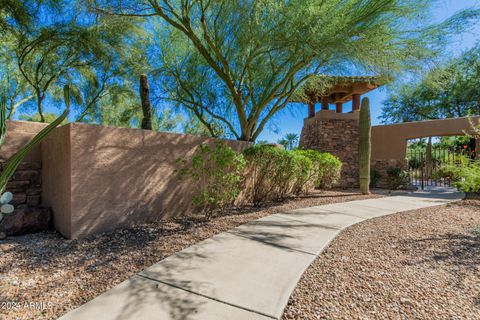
<point>239,62</point>
<point>449,90</point>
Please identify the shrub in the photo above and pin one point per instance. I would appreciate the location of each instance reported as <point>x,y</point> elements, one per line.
<point>374,177</point>
<point>465,174</point>
<point>330,170</point>
<point>303,174</point>
<point>399,177</point>
<point>273,171</point>
<point>216,173</point>
<point>326,168</point>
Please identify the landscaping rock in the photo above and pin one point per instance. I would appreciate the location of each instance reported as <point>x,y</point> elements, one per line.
<point>26,220</point>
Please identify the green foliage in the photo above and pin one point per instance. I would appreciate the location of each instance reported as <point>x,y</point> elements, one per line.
<point>326,168</point>
<point>278,173</point>
<point>374,177</point>
<point>216,173</point>
<point>303,174</point>
<point>465,174</point>
<point>330,170</point>
<point>273,172</point>
<point>365,146</point>
<point>399,178</point>
<point>239,62</point>
<point>448,91</point>
<point>290,141</point>
<point>49,117</point>
<point>12,164</point>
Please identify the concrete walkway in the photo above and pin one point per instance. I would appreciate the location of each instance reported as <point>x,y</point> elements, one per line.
<point>246,273</point>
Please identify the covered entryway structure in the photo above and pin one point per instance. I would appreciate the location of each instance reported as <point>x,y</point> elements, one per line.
<point>390,144</point>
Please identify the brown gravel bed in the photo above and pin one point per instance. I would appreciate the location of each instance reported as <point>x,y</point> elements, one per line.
<point>422,264</point>
<point>60,275</point>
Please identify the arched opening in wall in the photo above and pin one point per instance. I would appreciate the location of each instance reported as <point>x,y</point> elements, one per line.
<point>430,159</point>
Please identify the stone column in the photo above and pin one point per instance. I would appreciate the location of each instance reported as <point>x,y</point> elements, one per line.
<point>325,103</point>
<point>355,102</point>
<point>311,109</point>
<point>339,107</point>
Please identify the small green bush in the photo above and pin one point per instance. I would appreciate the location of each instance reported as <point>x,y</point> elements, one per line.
<point>326,168</point>
<point>216,172</point>
<point>330,170</point>
<point>374,177</point>
<point>465,174</point>
<point>273,171</point>
<point>303,174</point>
<point>399,178</point>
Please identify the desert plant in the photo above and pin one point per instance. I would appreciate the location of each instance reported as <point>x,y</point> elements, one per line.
<point>326,168</point>
<point>465,174</point>
<point>330,169</point>
<point>216,173</point>
<point>399,178</point>
<point>12,164</point>
<point>374,177</point>
<point>303,174</point>
<point>273,171</point>
<point>365,146</point>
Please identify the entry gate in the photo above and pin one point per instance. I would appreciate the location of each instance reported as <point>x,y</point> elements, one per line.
<point>425,168</point>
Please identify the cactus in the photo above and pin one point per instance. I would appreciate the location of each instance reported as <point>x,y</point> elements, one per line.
<point>15,160</point>
<point>365,146</point>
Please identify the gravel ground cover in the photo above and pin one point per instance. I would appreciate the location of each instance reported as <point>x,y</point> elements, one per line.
<point>421,264</point>
<point>42,276</point>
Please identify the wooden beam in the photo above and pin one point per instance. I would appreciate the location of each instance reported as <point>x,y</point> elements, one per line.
<point>325,103</point>
<point>311,110</point>
<point>355,102</point>
<point>339,107</point>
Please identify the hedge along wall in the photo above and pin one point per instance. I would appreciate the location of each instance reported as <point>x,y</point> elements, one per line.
<point>99,178</point>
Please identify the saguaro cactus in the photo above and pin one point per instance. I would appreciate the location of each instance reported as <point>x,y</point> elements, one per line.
<point>365,146</point>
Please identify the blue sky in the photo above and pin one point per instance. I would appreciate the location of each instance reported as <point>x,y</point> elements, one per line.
<point>292,121</point>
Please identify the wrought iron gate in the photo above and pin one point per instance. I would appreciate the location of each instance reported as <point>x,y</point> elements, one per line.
<point>425,168</point>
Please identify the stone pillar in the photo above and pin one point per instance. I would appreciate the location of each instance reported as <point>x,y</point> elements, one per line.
<point>339,107</point>
<point>356,102</point>
<point>338,134</point>
<point>311,109</point>
<point>325,103</point>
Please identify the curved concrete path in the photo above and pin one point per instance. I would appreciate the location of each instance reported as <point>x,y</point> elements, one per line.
<point>246,273</point>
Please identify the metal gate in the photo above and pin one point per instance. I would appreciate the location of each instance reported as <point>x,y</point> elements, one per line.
<point>425,167</point>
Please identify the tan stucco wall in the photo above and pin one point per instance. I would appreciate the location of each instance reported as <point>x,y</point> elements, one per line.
<point>118,176</point>
<point>56,177</point>
<point>390,141</point>
<point>20,133</point>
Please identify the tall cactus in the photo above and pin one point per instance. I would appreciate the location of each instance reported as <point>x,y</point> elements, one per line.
<point>365,146</point>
